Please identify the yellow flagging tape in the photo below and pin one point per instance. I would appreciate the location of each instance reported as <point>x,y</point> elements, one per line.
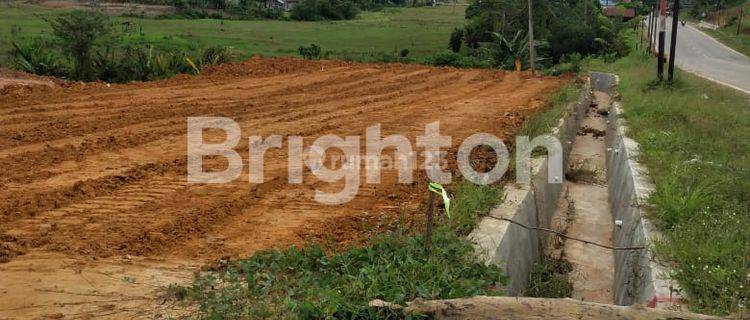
<point>438,188</point>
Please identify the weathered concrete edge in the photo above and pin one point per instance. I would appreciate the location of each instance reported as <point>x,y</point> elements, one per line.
<point>514,247</point>
<point>639,276</point>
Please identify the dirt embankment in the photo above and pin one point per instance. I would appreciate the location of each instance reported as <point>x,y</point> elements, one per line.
<point>97,174</point>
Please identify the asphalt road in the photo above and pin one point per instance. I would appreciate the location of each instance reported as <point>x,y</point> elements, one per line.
<point>703,55</point>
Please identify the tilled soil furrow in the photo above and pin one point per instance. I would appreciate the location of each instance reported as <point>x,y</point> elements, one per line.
<point>112,180</point>
<point>122,204</point>
<point>146,110</point>
<point>135,102</point>
<point>52,156</point>
<point>258,106</point>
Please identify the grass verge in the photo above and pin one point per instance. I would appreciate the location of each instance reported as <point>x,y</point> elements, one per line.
<point>558,107</point>
<point>695,140</point>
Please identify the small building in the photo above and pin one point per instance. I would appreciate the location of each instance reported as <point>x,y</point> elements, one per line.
<point>613,9</point>
<point>281,5</point>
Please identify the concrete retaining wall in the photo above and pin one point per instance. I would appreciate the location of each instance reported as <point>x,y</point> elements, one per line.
<point>639,276</point>
<point>517,248</point>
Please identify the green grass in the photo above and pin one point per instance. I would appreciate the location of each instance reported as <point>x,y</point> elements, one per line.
<point>422,31</point>
<point>695,141</point>
<point>728,34</point>
<point>308,283</point>
<point>473,202</point>
<point>558,107</point>
<point>549,279</point>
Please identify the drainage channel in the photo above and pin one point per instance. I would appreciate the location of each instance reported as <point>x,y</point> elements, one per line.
<point>583,210</point>
<point>593,222</point>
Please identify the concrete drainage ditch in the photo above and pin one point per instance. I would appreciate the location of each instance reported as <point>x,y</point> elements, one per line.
<point>593,219</point>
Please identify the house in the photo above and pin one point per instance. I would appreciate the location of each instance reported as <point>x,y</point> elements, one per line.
<point>614,9</point>
<point>281,5</point>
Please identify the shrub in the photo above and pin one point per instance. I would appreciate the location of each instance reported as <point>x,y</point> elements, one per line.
<point>568,64</point>
<point>37,57</point>
<point>145,63</point>
<point>312,52</point>
<point>403,53</point>
<point>457,37</point>
<point>314,10</point>
<point>216,55</point>
<point>79,32</point>
<point>448,58</point>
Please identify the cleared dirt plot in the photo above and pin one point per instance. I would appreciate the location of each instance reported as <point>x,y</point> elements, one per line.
<point>96,212</point>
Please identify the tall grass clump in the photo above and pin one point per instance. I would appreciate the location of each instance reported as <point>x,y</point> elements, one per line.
<point>33,57</point>
<point>86,48</point>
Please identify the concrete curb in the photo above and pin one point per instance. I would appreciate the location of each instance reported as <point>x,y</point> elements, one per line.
<point>516,248</point>
<point>639,276</point>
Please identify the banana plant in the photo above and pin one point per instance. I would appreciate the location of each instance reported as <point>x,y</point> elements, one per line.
<point>512,53</point>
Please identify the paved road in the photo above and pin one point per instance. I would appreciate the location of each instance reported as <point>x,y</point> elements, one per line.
<point>703,55</point>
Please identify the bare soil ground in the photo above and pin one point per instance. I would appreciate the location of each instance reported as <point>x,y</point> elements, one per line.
<point>97,215</point>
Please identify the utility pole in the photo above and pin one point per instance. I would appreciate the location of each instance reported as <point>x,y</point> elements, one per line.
<point>673,43</point>
<point>662,38</point>
<point>532,52</point>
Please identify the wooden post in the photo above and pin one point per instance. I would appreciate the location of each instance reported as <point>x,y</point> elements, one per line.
<point>662,38</point>
<point>673,43</point>
<point>428,225</point>
<point>532,52</point>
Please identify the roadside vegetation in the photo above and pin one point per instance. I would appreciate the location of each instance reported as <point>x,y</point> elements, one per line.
<point>695,141</point>
<point>736,32</point>
<point>496,34</point>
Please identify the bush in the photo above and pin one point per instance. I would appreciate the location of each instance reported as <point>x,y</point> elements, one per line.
<point>457,37</point>
<point>315,10</point>
<point>568,64</point>
<point>313,52</point>
<point>403,53</point>
<point>448,58</point>
<point>79,32</point>
<point>37,57</point>
<point>144,63</point>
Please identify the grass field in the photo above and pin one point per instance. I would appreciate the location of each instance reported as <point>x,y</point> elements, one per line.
<point>422,31</point>
<point>695,140</point>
